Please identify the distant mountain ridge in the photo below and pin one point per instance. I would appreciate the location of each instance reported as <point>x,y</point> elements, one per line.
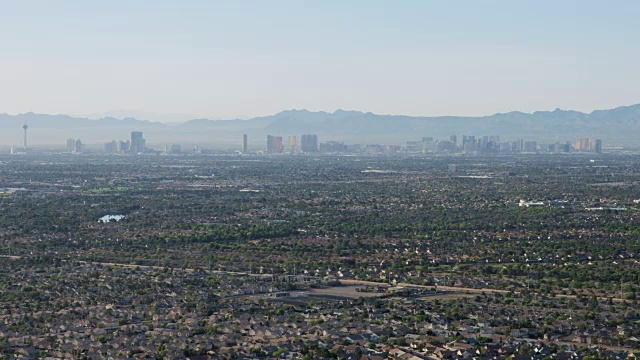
<point>615,126</point>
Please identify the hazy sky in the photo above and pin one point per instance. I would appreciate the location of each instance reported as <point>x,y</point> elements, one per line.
<point>246,58</point>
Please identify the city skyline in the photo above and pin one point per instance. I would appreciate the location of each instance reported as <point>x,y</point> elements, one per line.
<point>616,125</point>
<point>319,179</point>
<point>310,144</point>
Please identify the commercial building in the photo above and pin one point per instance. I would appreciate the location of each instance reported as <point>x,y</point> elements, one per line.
<point>71,143</point>
<point>274,144</point>
<point>309,143</point>
<point>293,144</point>
<point>598,146</point>
<point>138,143</point>
<point>78,147</point>
<point>74,146</point>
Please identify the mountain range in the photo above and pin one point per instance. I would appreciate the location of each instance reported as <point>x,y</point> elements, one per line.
<point>619,126</point>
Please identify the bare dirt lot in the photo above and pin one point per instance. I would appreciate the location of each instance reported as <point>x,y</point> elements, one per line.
<point>348,291</point>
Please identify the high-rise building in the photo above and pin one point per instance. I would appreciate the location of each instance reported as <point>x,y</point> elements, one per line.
<point>271,140</point>
<point>137,142</point>
<point>124,146</point>
<point>469,143</point>
<point>77,146</point>
<point>309,143</point>
<point>530,146</point>
<point>582,144</point>
<point>445,146</point>
<point>245,143</point>
<point>588,144</point>
<point>598,146</point>
<point>274,144</point>
<point>454,139</point>
<point>111,147</point>
<point>71,144</point>
<point>293,144</point>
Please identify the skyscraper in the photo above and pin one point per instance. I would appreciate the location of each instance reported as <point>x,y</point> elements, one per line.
<point>77,146</point>
<point>530,146</point>
<point>124,146</point>
<point>137,142</point>
<point>274,144</point>
<point>71,143</point>
<point>309,143</point>
<point>293,144</point>
<point>245,143</point>
<point>598,146</point>
<point>111,147</point>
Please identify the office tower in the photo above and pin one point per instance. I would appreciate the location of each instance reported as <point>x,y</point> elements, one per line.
<point>274,144</point>
<point>111,147</point>
<point>454,139</point>
<point>469,143</point>
<point>587,144</point>
<point>309,143</point>
<point>598,146</point>
<point>245,143</point>
<point>469,147</point>
<point>293,144</point>
<point>270,143</point>
<point>71,144</point>
<point>137,142</point>
<point>530,146</point>
<point>77,146</point>
<point>483,142</point>
<point>445,146</point>
<point>124,146</point>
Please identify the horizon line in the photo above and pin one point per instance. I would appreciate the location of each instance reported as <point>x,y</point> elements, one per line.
<point>314,111</point>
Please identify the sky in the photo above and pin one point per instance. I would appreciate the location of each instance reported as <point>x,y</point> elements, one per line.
<point>176,60</point>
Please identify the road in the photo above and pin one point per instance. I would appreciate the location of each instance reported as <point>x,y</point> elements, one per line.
<point>343,281</point>
<point>443,288</point>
